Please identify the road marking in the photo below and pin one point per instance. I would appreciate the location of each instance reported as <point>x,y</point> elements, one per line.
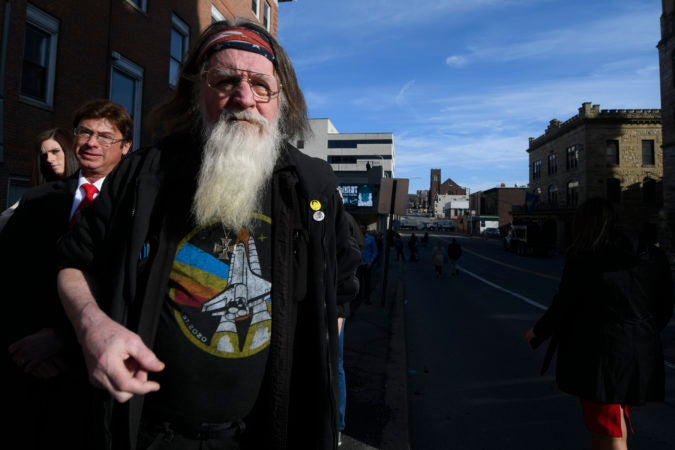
<point>496,286</point>
<point>667,363</point>
<point>510,266</point>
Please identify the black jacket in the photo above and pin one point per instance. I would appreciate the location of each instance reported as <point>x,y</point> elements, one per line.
<point>146,204</point>
<point>28,249</point>
<point>605,321</point>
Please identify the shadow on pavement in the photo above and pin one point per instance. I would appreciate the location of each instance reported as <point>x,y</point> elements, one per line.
<point>375,369</point>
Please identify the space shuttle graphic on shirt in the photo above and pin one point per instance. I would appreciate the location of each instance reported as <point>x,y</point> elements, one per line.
<point>243,307</point>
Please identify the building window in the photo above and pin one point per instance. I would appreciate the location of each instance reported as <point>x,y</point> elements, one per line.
<point>267,12</point>
<point>648,152</point>
<point>140,4</point>
<point>614,190</point>
<point>536,170</point>
<point>613,153</point>
<point>572,161</point>
<point>126,88</point>
<point>39,56</point>
<point>552,195</point>
<point>180,41</point>
<point>255,7</point>
<point>649,191</point>
<point>552,164</point>
<point>342,159</point>
<point>216,16</point>
<point>572,194</point>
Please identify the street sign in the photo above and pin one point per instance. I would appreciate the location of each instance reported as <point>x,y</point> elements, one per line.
<point>393,201</point>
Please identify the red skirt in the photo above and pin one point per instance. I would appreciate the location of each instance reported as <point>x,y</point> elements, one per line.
<point>605,418</point>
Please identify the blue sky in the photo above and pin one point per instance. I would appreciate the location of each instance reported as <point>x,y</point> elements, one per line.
<point>463,84</point>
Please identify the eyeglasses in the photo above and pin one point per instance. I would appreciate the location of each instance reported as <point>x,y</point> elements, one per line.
<point>227,79</point>
<point>105,140</point>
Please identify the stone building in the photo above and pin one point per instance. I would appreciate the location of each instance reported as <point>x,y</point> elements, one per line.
<point>666,47</point>
<point>614,154</point>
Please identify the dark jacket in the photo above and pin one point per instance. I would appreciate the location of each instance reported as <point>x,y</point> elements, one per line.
<point>605,321</point>
<point>454,250</point>
<point>28,248</point>
<point>145,207</point>
<point>343,309</point>
<point>28,269</point>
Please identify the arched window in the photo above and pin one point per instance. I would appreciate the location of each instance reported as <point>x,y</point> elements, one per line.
<point>553,195</point>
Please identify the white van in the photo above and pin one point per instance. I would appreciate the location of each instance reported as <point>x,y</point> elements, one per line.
<point>443,225</point>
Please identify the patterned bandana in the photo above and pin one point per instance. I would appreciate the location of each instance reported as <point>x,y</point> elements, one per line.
<point>239,38</point>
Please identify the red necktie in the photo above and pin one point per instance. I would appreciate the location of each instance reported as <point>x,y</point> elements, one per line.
<point>89,191</point>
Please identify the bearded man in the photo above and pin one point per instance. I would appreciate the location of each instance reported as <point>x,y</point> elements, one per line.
<point>204,283</point>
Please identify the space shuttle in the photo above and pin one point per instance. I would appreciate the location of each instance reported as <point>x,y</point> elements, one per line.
<point>246,292</point>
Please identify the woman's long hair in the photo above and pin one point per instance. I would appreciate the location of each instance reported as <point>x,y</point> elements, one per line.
<point>594,227</point>
<point>42,171</point>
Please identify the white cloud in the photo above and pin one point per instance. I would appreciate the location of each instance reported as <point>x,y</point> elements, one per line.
<point>456,61</point>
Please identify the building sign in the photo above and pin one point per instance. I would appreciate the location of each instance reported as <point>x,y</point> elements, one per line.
<point>355,195</point>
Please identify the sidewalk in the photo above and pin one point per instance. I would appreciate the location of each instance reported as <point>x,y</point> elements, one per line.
<point>375,365</point>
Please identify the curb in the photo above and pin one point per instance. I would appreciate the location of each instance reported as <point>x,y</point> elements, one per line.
<point>396,433</point>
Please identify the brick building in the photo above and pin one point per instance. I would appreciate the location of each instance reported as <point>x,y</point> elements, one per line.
<point>449,187</point>
<point>438,188</point>
<point>498,202</point>
<point>434,186</point>
<point>57,54</point>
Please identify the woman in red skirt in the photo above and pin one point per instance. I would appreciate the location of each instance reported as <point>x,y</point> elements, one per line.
<point>614,298</point>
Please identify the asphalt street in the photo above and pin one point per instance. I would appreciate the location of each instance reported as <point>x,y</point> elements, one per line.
<point>375,362</point>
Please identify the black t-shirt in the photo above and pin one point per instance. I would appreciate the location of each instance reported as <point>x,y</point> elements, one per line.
<point>215,327</point>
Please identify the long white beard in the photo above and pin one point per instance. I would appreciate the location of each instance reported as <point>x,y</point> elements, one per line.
<point>239,155</point>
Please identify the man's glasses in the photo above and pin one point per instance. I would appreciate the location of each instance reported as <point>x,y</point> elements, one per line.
<point>105,140</point>
<point>227,79</point>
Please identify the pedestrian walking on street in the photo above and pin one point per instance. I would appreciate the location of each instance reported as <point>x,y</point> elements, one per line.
<point>454,253</point>
<point>365,270</point>
<point>413,247</point>
<point>398,244</point>
<point>437,258</point>
<point>614,298</point>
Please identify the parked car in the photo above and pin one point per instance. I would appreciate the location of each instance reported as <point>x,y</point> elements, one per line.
<point>491,233</point>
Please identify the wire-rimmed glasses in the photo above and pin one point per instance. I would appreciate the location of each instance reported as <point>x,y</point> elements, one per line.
<point>226,79</point>
<point>105,140</point>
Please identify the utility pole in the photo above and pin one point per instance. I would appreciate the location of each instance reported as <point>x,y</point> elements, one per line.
<point>393,200</point>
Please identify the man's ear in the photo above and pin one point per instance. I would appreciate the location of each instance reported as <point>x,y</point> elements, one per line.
<point>126,147</point>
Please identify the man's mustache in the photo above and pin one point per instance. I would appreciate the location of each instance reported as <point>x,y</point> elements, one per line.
<point>246,116</point>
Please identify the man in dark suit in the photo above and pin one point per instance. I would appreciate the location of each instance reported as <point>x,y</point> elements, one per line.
<point>47,390</point>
